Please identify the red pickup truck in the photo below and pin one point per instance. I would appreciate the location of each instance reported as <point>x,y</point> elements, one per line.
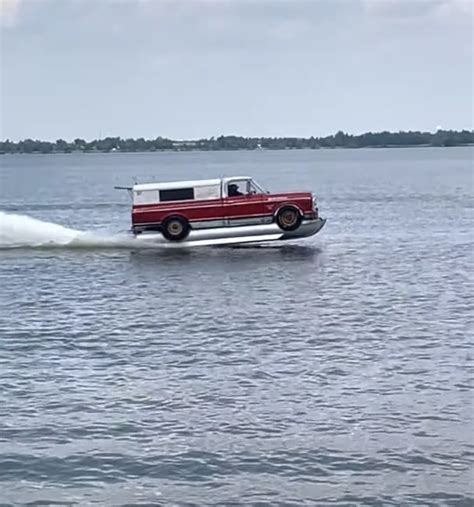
<point>222,207</point>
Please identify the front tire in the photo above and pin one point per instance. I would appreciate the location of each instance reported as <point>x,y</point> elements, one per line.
<point>176,228</point>
<point>288,218</point>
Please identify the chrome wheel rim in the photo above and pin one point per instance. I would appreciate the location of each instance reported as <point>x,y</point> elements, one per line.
<point>288,218</point>
<point>175,228</point>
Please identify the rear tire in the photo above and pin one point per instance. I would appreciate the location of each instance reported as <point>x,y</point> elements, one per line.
<point>176,228</point>
<point>288,218</point>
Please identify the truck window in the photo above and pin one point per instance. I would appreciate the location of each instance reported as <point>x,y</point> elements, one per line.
<point>237,188</point>
<point>179,194</point>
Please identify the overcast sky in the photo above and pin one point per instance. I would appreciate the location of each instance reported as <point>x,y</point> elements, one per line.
<point>198,68</point>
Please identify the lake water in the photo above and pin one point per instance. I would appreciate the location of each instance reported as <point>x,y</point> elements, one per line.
<point>335,370</point>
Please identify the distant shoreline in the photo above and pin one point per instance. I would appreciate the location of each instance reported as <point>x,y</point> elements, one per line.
<point>124,152</point>
<point>410,139</point>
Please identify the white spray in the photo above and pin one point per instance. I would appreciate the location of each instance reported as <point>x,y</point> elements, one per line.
<point>20,231</point>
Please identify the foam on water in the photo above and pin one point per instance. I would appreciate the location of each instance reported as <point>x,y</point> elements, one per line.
<point>21,231</point>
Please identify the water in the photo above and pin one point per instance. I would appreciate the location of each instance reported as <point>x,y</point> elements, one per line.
<point>335,370</point>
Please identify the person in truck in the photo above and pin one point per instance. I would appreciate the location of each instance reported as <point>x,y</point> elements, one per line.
<point>234,190</point>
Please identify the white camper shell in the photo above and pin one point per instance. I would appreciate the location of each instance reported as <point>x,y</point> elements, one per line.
<point>197,190</point>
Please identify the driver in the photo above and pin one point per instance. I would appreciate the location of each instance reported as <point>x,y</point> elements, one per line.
<point>234,190</point>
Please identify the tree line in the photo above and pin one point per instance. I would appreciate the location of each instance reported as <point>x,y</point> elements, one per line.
<point>338,140</point>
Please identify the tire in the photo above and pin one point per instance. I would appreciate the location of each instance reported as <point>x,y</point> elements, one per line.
<point>288,218</point>
<point>176,228</point>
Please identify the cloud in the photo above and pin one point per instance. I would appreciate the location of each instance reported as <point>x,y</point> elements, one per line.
<point>9,12</point>
<point>414,9</point>
<point>401,8</point>
<point>457,7</point>
<point>286,18</point>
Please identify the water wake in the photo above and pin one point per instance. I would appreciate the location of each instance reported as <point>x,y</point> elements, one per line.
<point>24,232</point>
<point>21,231</point>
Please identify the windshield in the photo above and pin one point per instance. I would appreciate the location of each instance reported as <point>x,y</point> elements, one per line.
<point>256,188</point>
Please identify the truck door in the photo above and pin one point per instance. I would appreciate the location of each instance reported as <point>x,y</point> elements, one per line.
<point>243,203</point>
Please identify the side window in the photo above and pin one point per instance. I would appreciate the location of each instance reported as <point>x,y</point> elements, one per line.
<point>145,196</point>
<point>179,194</point>
<point>237,188</point>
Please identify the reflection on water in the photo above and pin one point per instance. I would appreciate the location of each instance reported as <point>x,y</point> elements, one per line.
<point>245,253</point>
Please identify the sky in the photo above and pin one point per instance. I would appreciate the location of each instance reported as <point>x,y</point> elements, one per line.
<point>188,69</point>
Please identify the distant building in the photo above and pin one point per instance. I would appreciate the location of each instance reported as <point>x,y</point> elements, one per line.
<point>177,145</point>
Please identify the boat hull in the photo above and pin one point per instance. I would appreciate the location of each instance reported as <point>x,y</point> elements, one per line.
<point>235,235</point>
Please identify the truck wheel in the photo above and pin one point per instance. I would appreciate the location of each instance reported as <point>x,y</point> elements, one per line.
<point>288,218</point>
<point>176,228</point>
